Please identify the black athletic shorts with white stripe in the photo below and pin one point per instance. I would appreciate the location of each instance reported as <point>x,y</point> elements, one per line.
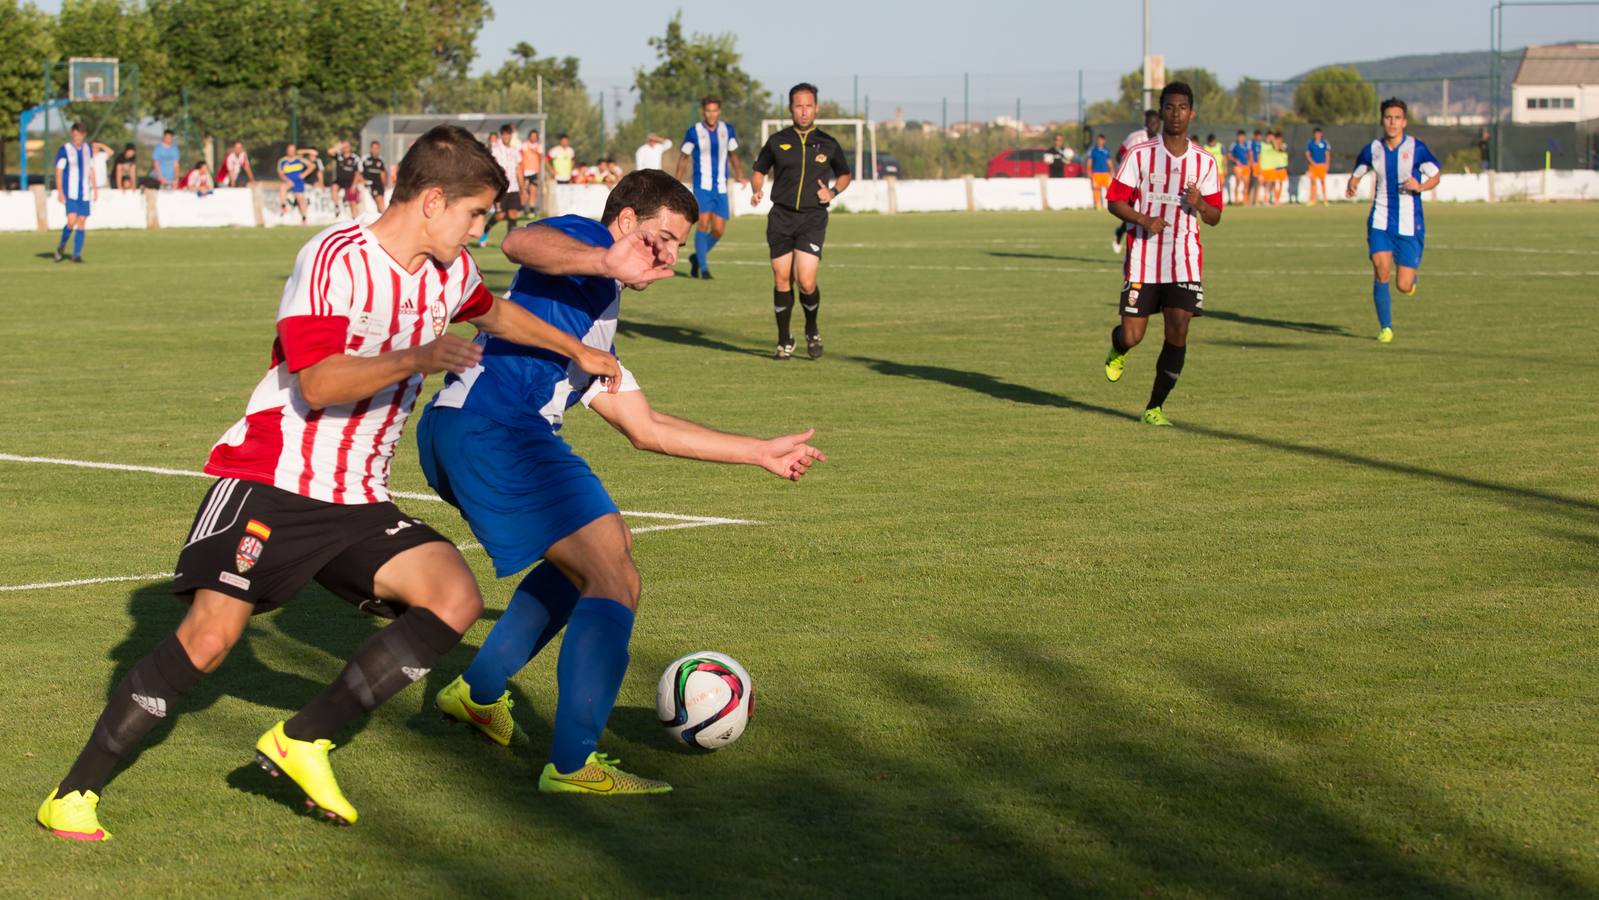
<point>262,544</point>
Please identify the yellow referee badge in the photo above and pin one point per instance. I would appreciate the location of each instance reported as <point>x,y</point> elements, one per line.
<point>786,146</point>
<point>821,157</point>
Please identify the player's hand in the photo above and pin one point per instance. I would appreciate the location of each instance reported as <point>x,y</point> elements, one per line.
<point>789,456</point>
<point>1412,185</point>
<point>1192,195</point>
<point>1349,191</point>
<point>450,352</point>
<point>823,195</point>
<point>602,365</point>
<point>755,199</point>
<point>638,259</point>
<point>61,198</point>
<point>1153,225</point>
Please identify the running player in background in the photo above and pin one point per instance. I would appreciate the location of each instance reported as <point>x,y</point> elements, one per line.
<point>1143,135</point>
<point>1099,169</point>
<point>507,151</point>
<point>1163,190</point>
<point>710,144</point>
<point>346,168</point>
<point>302,488</point>
<point>1395,230</point>
<point>292,169</point>
<point>375,174</point>
<point>532,163</point>
<point>1257,183</point>
<point>1242,158</point>
<point>1317,153</point>
<point>75,189</point>
<point>491,446</point>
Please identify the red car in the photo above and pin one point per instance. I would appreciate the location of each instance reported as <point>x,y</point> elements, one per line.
<point>1026,163</point>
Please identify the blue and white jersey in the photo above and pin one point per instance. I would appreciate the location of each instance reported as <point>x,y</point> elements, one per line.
<point>1394,209</point>
<point>709,148</point>
<point>75,171</point>
<point>523,387</point>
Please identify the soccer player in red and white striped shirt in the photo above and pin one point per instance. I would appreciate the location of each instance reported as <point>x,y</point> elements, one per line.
<point>303,490</point>
<point>1162,190</point>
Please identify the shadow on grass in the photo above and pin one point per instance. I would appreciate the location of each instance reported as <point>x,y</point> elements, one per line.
<point>983,383</point>
<point>685,336</point>
<point>1222,315</point>
<point>1106,260</point>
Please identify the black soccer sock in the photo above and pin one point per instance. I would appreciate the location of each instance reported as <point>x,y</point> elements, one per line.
<point>1117,342</point>
<point>144,696</point>
<point>1168,366</point>
<point>383,666</point>
<point>1121,231</point>
<point>811,303</point>
<point>783,306</point>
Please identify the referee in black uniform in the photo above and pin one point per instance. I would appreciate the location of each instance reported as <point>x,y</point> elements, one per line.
<point>801,158</point>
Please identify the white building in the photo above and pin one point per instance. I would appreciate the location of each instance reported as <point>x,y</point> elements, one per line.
<point>1558,83</point>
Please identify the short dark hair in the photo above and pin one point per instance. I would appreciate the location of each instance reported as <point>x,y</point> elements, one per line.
<point>1152,114</point>
<point>708,99</point>
<point>804,87</point>
<point>1177,88</point>
<point>1317,128</point>
<point>647,192</point>
<point>1209,138</point>
<point>507,128</point>
<point>561,136</point>
<point>167,132</point>
<point>78,127</point>
<point>1392,102</point>
<point>450,158</point>
<point>1100,136</point>
<point>1240,131</point>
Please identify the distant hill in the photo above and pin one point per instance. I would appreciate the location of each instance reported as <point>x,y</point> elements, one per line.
<point>1467,74</point>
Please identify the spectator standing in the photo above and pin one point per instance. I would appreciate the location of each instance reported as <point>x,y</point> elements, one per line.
<point>164,161</point>
<point>649,153</point>
<point>532,162</point>
<point>562,159</point>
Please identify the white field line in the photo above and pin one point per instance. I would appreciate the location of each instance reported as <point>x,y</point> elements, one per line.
<point>1110,268</point>
<point>80,581</point>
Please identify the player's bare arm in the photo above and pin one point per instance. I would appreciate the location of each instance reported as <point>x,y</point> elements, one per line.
<point>1354,185</point>
<point>638,258</point>
<point>340,378</point>
<point>757,181</point>
<point>1123,210</point>
<point>786,456</point>
<point>1208,214</point>
<point>736,167</point>
<point>509,321</point>
<point>1416,187</point>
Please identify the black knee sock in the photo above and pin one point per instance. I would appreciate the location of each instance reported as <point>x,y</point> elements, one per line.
<point>383,666</point>
<point>1121,231</point>
<point>144,696</point>
<point>783,305</point>
<point>1167,367</point>
<point>810,303</point>
<point>1117,342</point>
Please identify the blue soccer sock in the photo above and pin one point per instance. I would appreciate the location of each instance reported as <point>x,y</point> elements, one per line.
<point>711,240</point>
<point>77,242</point>
<point>537,612</point>
<point>1384,302</point>
<point>593,661</point>
<point>702,246</point>
<point>65,233</point>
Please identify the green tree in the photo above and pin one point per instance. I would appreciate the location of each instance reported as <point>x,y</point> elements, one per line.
<point>526,67</point>
<point>1335,95</point>
<point>1212,101</point>
<point>687,68</point>
<point>123,29</point>
<point>450,29</point>
<point>358,59</point>
<point>1251,97</point>
<point>26,44</point>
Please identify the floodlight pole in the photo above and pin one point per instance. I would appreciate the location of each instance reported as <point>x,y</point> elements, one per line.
<point>1148,87</point>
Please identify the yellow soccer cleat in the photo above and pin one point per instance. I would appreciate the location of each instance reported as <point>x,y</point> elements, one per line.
<point>1154,416</point>
<point>306,762</point>
<point>600,777</point>
<point>493,720</point>
<point>73,816</point>
<point>1385,336</point>
<point>1114,363</point>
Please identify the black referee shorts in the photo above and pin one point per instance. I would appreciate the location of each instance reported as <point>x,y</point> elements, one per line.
<point>788,230</point>
<point>262,544</point>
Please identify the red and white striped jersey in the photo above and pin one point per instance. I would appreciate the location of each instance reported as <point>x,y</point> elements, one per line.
<point>1154,182</point>
<point>347,295</point>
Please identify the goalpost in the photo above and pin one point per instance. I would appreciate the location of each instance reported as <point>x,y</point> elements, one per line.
<point>862,128</point>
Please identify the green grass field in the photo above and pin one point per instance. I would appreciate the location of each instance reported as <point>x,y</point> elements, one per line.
<point>1333,635</point>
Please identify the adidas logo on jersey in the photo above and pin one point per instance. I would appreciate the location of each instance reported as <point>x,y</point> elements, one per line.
<point>413,673</point>
<point>155,706</point>
<point>408,305</point>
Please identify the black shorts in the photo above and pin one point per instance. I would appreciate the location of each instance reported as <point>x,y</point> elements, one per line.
<point>1142,299</point>
<point>344,182</point>
<point>262,544</point>
<point>377,188</point>
<point>511,202</point>
<point>788,230</point>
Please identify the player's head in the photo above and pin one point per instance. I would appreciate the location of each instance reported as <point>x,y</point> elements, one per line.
<point>1060,140</point>
<point>1257,134</point>
<point>802,104</point>
<point>78,134</point>
<point>167,136</point>
<point>711,109</point>
<point>533,134</point>
<point>1395,116</point>
<point>1099,140</point>
<point>1176,107</point>
<point>1151,120</point>
<point>655,202</point>
<point>1241,136</point>
<point>564,141</point>
<point>1210,139</point>
<point>447,184</point>
<point>374,147</point>
<point>1316,133</point>
<point>291,150</point>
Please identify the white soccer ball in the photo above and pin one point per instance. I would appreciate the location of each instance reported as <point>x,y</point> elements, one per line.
<point>705,699</point>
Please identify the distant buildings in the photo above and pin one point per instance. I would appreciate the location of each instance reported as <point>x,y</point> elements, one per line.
<point>1557,83</point>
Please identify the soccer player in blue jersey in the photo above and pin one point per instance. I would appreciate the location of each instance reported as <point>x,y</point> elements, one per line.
<point>1317,154</point>
<point>1099,170</point>
<point>1241,157</point>
<point>709,144</point>
<point>490,447</point>
<point>1395,231</point>
<point>75,188</point>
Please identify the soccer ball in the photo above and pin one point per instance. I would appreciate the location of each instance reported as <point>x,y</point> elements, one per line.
<point>705,699</point>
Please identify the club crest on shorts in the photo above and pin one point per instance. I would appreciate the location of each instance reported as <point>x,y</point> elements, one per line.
<point>248,554</point>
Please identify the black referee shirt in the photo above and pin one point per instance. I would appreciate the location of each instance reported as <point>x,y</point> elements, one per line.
<point>796,162</point>
<point>373,169</point>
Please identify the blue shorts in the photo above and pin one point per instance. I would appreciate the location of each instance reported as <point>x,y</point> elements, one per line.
<point>77,207</point>
<point>296,184</point>
<point>1406,250</point>
<point>520,489</point>
<point>713,202</point>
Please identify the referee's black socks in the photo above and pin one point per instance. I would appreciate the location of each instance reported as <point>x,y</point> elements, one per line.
<point>810,303</point>
<point>783,306</point>
<point>1167,367</point>
<point>144,696</point>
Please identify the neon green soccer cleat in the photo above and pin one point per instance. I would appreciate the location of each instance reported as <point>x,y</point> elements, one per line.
<point>73,816</point>
<point>306,762</point>
<point>493,719</point>
<point>1153,416</point>
<point>600,777</point>
<point>1385,336</point>
<point>1114,363</point>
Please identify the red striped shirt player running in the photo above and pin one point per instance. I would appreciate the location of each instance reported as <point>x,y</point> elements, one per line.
<point>1163,189</point>
<point>303,477</point>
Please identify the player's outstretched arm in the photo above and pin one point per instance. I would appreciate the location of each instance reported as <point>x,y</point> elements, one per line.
<point>786,456</point>
<point>509,321</point>
<point>637,259</point>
